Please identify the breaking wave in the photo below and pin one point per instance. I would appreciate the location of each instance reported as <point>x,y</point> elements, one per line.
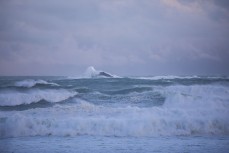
<point>114,107</point>
<point>13,98</point>
<point>89,119</point>
<point>31,83</point>
<point>187,110</point>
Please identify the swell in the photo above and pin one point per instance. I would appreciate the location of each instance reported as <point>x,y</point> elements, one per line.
<point>30,83</point>
<point>22,107</point>
<point>129,90</point>
<point>177,80</point>
<point>14,98</point>
<point>140,99</point>
<point>83,90</point>
<point>26,84</point>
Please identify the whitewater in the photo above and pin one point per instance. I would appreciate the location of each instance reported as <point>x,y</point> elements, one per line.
<point>95,113</point>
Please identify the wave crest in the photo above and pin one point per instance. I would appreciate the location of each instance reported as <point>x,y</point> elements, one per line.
<point>13,98</point>
<point>31,83</point>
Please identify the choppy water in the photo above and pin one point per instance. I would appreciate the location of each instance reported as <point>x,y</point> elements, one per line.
<point>135,109</point>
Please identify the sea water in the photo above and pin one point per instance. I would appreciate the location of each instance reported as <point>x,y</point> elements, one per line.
<point>118,114</point>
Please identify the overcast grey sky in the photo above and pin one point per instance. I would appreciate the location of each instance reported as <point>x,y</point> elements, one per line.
<point>123,37</point>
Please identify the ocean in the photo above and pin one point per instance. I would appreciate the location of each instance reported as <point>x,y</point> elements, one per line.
<point>116,114</point>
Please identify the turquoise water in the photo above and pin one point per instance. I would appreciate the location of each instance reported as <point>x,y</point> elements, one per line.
<point>131,114</point>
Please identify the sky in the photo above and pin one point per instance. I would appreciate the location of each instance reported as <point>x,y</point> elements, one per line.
<point>123,37</point>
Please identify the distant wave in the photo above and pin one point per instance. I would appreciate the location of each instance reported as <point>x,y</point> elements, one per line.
<point>129,90</point>
<point>31,83</point>
<point>13,98</point>
<point>167,77</point>
<point>171,77</point>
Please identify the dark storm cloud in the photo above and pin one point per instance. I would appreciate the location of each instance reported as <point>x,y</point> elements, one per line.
<point>222,3</point>
<point>128,37</point>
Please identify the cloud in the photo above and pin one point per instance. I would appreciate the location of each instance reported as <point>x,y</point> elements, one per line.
<point>184,6</point>
<point>129,37</point>
<point>222,3</point>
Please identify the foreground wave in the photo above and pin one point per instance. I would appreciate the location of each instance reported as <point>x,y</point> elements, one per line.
<point>85,118</point>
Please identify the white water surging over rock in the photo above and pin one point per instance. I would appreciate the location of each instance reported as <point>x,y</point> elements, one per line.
<point>91,72</point>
